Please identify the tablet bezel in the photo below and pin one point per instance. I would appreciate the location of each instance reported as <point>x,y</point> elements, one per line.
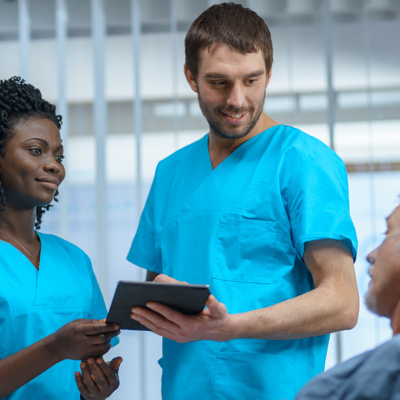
<point>186,298</point>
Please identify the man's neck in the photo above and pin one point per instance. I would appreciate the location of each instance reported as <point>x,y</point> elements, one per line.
<point>395,319</point>
<point>220,148</point>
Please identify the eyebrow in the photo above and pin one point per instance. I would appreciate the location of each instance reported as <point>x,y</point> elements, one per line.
<point>45,142</point>
<point>222,76</point>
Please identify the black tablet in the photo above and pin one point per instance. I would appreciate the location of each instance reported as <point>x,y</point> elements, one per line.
<point>186,298</point>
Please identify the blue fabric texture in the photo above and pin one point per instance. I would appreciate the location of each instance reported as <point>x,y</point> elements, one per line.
<point>34,304</point>
<point>241,228</point>
<point>372,375</point>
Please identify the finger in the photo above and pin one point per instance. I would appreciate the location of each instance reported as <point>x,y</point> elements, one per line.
<point>115,364</point>
<point>216,309</point>
<point>165,279</point>
<point>103,337</point>
<point>175,333</point>
<point>98,350</point>
<point>211,298</point>
<point>97,375</point>
<point>167,312</point>
<point>109,374</point>
<point>164,321</point>
<point>83,321</point>
<point>156,313</point>
<point>88,378</point>
<point>141,319</point>
<point>163,327</point>
<point>98,327</point>
<point>81,384</point>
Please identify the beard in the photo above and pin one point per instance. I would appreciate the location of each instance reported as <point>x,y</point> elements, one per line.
<point>371,302</point>
<point>216,122</point>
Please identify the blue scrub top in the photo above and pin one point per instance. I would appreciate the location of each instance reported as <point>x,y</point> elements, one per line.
<point>241,228</point>
<point>35,303</point>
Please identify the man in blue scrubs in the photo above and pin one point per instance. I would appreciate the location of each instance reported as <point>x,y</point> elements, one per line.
<point>260,212</point>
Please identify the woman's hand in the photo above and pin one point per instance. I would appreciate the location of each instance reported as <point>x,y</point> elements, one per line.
<point>83,339</point>
<point>98,379</point>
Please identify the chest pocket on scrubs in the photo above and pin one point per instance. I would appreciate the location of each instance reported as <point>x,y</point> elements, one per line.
<point>245,250</point>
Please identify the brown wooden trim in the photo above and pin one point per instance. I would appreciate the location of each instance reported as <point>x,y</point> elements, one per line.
<point>376,167</point>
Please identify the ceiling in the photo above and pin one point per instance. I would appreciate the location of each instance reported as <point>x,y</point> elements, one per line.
<point>156,14</point>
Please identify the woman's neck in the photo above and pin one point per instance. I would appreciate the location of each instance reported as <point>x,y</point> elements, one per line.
<point>20,224</point>
<point>17,228</point>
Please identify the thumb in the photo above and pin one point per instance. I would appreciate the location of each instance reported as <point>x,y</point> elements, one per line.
<point>216,309</point>
<point>115,363</point>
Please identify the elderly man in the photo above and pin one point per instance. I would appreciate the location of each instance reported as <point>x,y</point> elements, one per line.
<point>374,374</point>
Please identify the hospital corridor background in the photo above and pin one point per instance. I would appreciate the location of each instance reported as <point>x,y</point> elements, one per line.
<point>114,68</point>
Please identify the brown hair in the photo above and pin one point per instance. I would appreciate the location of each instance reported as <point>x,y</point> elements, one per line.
<point>232,24</point>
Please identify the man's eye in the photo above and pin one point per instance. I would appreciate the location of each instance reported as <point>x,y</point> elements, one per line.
<point>60,158</point>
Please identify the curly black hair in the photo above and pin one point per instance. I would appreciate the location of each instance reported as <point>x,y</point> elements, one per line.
<point>19,102</point>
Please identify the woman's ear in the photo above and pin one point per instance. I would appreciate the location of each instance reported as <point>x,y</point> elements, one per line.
<point>190,78</point>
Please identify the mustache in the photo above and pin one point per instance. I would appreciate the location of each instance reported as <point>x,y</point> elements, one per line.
<point>235,110</point>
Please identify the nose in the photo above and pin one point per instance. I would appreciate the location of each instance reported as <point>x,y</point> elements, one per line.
<point>236,96</point>
<point>52,166</point>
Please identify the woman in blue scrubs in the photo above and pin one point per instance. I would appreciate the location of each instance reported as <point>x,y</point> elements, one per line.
<point>50,303</point>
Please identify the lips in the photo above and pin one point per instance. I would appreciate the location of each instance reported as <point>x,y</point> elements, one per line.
<point>233,118</point>
<point>237,116</point>
<point>49,183</point>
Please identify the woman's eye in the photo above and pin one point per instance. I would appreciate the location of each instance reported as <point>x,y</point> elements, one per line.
<point>60,158</point>
<point>36,151</point>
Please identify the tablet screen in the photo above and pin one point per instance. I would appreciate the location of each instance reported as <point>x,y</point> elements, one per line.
<point>186,298</point>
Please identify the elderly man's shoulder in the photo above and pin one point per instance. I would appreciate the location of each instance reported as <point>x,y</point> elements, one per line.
<point>374,374</point>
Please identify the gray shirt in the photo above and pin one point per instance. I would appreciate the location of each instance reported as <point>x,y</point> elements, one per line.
<point>373,375</point>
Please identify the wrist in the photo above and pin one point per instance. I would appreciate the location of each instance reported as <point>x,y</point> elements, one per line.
<point>53,347</point>
<point>236,328</point>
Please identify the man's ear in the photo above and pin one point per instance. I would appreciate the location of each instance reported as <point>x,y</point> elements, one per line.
<point>268,77</point>
<point>190,78</point>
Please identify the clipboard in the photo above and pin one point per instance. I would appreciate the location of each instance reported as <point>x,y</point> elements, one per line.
<point>185,298</point>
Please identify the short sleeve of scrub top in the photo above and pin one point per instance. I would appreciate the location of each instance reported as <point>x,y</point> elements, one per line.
<point>320,211</point>
<point>145,239</point>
